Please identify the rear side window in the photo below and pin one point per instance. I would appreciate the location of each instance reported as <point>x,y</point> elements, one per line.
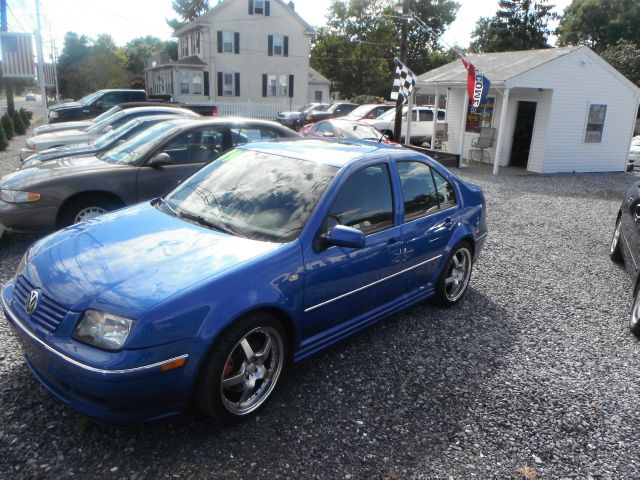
<point>426,116</point>
<point>364,202</point>
<point>249,134</point>
<point>418,189</point>
<point>446,193</point>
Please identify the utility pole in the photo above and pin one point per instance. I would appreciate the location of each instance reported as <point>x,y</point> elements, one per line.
<point>397,127</point>
<point>41,79</point>
<point>8,83</point>
<point>54,60</point>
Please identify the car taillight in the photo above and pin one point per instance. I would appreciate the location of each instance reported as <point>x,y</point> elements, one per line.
<point>214,111</point>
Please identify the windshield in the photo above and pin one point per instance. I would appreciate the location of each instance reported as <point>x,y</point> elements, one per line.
<point>357,130</point>
<point>89,98</point>
<point>360,111</point>
<point>107,114</point>
<point>257,195</point>
<point>306,107</point>
<point>99,126</point>
<point>131,151</point>
<point>113,135</point>
<point>391,113</point>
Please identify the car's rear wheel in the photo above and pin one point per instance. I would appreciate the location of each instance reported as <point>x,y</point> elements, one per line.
<point>242,369</point>
<point>454,277</point>
<point>85,208</point>
<point>634,320</point>
<point>615,253</point>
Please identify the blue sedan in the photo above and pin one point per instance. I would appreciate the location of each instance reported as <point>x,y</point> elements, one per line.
<point>268,255</point>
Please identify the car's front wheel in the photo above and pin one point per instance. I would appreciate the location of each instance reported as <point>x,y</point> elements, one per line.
<point>454,277</point>
<point>243,368</point>
<point>85,208</point>
<point>615,253</point>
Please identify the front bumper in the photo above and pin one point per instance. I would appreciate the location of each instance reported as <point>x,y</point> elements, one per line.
<point>26,152</point>
<point>28,217</point>
<point>142,392</point>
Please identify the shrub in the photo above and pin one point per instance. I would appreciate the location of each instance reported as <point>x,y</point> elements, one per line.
<point>4,143</point>
<point>7,124</point>
<point>25,117</point>
<point>18,124</point>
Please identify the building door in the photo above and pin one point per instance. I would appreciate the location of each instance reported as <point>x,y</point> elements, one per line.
<point>525,118</point>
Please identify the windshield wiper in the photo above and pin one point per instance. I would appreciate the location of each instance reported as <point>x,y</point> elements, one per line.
<point>161,200</point>
<point>207,223</point>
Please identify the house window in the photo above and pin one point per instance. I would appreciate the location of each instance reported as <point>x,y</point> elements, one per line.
<point>278,44</point>
<point>227,42</point>
<point>278,85</point>
<point>258,7</point>
<point>595,123</point>
<point>184,46</point>
<point>196,84</point>
<point>318,96</point>
<point>478,117</point>
<point>228,88</point>
<point>195,42</point>
<point>184,83</point>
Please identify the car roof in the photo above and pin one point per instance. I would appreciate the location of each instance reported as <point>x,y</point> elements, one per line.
<point>161,109</point>
<point>186,122</point>
<point>334,152</point>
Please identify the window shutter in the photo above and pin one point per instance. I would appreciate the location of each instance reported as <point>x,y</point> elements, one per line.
<point>236,41</point>
<point>291,86</point>
<point>220,84</point>
<point>206,84</point>
<point>270,46</point>
<point>264,84</point>
<point>286,46</point>
<point>219,41</point>
<point>267,8</point>
<point>237,82</point>
<point>250,7</point>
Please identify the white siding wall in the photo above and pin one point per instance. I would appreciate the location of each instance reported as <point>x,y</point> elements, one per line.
<point>575,84</point>
<point>324,88</point>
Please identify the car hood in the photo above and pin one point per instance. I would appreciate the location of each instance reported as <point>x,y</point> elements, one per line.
<point>66,106</point>
<point>56,127</point>
<point>45,171</point>
<point>65,151</point>
<point>127,261</point>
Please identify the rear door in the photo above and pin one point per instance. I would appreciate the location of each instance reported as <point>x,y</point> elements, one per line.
<point>189,151</point>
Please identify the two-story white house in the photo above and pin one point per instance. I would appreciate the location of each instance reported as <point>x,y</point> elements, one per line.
<point>240,53</point>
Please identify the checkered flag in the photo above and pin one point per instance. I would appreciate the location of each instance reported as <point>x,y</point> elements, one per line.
<point>403,82</point>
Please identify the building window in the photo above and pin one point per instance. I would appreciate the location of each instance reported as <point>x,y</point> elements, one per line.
<point>278,44</point>
<point>318,96</point>
<point>478,117</point>
<point>196,82</point>
<point>229,87</point>
<point>595,123</point>
<point>184,83</point>
<point>195,42</point>
<point>227,42</point>
<point>184,46</point>
<point>277,85</point>
<point>258,7</point>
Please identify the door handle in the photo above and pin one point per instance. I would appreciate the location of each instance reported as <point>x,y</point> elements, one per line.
<point>392,241</point>
<point>448,223</point>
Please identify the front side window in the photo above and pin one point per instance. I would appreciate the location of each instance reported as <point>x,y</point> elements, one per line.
<point>595,123</point>
<point>257,195</point>
<point>132,151</point>
<point>418,190</point>
<point>196,146</point>
<point>364,202</point>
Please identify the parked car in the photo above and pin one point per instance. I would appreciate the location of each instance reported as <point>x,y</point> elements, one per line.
<point>41,142</point>
<point>83,124</point>
<point>292,119</point>
<point>369,111</point>
<point>94,104</point>
<point>634,154</point>
<point>273,252</point>
<point>343,128</point>
<point>61,192</point>
<point>30,97</point>
<point>421,123</point>
<point>335,110</point>
<point>625,247</point>
<point>101,144</point>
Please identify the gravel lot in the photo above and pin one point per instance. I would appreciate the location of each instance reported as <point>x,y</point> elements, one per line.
<point>531,375</point>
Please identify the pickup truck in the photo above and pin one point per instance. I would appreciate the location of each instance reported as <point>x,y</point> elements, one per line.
<point>101,101</point>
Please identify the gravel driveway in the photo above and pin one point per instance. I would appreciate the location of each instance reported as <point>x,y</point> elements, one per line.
<point>531,375</point>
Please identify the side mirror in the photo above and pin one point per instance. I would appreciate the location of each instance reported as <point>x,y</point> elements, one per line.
<point>159,160</point>
<point>342,236</point>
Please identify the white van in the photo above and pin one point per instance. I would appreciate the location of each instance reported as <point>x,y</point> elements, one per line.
<point>421,123</point>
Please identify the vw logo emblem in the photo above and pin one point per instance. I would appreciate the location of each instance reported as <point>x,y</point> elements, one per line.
<point>32,302</point>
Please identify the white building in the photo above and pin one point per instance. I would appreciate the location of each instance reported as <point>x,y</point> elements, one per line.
<point>554,110</point>
<point>242,53</point>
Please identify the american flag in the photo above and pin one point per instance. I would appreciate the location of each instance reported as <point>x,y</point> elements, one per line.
<point>17,55</point>
<point>49,74</point>
<point>403,82</point>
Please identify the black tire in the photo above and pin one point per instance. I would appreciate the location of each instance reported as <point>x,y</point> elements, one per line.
<point>73,211</point>
<point>454,278</point>
<point>228,361</point>
<point>634,317</point>
<point>615,253</point>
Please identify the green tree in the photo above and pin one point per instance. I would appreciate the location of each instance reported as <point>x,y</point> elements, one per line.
<point>25,117</point>
<point>624,56</point>
<point>188,10</point>
<point>600,24</point>
<point>139,50</point>
<point>75,52</point>
<point>7,124</point>
<point>517,25</point>
<point>106,66</point>
<point>18,124</point>
<point>4,142</point>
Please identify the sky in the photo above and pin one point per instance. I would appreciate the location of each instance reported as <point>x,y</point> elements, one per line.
<point>128,19</point>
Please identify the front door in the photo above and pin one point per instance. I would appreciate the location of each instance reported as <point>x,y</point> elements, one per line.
<point>522,134</point>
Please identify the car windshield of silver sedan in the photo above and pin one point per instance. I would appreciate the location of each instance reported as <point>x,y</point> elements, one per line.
<point>108,113</point>
<point>110,136</point>
<point>131,151</point>
<point>256,195</point>
<point>98,126</point>
<point>356,130</point>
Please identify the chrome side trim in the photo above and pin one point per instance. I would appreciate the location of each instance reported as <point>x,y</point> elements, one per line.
<point>80,364</point>
<point>370,284</point>
<point>629,248</point>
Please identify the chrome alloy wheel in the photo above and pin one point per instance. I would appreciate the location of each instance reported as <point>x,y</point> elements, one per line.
<point>635,314</point>
<point>252,370</point>
<point>615,239</point>
<point>87,213</point>
<point>458,273</point>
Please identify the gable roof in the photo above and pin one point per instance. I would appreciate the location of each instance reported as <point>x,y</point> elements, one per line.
<point>202,22</point>
<point>316,77</point>
<point>498,67</point>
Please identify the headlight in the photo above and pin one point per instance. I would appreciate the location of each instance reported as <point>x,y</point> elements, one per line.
<point>14,196</point>
<point>22,263</point>
<point>53,114</point>
<point>104,330</point>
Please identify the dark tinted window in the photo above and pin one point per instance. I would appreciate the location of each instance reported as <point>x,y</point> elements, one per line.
<point>418,189</point>
<point>113,98</point>
<point>364,202</point>
<point>426,116</point>
<point>446,194</point>
<point>196,146</point>
<point>441,115</point>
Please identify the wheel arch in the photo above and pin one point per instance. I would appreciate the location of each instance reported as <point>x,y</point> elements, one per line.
<point>89,193</point>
